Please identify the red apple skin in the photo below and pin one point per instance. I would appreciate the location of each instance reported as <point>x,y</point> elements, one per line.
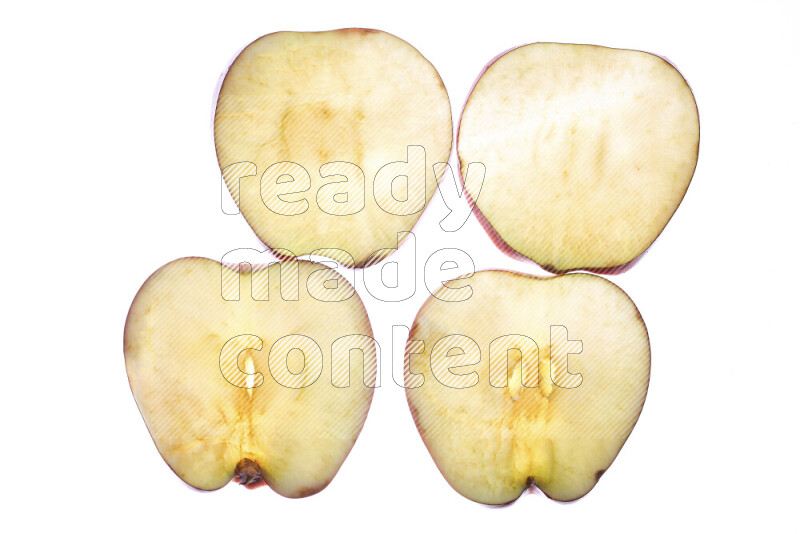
<point>497,239</point>
<point>260,483</point>
<point>532,488</point>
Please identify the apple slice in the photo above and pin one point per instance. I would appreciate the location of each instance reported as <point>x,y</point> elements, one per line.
<point>588,152</point>
<point>529,381</point>
<point>327,140</point>
<point>262,391</point>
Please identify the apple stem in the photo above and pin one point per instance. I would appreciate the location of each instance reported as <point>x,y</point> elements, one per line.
<point>248,474</point>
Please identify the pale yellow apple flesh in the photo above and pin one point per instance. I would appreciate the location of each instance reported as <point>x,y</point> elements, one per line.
<point>350,100</point>
<point>588,151</point>
<point>490,431</point>
<point>287,417</point>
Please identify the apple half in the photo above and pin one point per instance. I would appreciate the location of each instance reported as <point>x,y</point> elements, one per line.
<point>588,152</point>
<point>530,381</point>
<point>263,376</point>
<point>327,140</point>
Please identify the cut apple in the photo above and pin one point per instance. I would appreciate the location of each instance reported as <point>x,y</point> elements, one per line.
<point>588,152</point>
<point>327,140</point>
<point>272,391</point>
<point>529,382</point>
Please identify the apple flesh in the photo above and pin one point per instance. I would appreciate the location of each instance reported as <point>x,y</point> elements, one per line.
<point>226,395</point>
<point>313,130</point>
<point>492,425</point>
<point>588,152</point>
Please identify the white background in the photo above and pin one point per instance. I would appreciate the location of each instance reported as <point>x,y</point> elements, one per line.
<point>109,172</point>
